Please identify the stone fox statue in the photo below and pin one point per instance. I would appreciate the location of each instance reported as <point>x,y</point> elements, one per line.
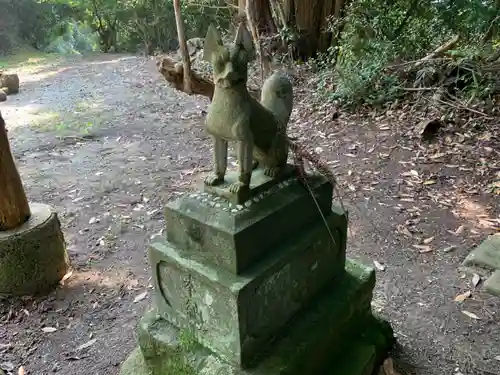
<point>258,128</point>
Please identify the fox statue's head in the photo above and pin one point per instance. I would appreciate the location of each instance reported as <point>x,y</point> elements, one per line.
<point>230,61</point>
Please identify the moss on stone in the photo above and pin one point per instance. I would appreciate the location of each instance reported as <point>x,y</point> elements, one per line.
<point>33,258</point>
<point>338,325</point>
<point>187,340</point>
<point>135,364</point>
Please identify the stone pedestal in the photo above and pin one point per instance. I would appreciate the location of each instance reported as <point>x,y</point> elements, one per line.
<point>33,257</point>
<point>484,260</point>
<point>262,288</point>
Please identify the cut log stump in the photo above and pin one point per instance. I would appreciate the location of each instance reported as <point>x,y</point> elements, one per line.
<point>33,257</point>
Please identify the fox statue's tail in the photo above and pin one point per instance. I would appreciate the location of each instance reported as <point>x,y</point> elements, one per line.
<point>277,97</point>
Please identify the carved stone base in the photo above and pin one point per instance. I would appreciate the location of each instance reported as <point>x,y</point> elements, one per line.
<point>262,288</point>
<point>247,309</point>
<point>484,260</point>
<point>337,335</point>
<point>259,184</point>
<point>234,237</point>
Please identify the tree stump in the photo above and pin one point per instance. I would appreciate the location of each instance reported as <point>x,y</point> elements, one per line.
<point>14,207</point>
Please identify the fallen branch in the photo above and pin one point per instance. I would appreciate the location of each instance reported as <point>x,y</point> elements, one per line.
<point>173,71</point>
<point>457,105</point>
<point>437,52</point>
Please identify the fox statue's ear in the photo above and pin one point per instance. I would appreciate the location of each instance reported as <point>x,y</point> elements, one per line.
<point>244,39</point>
<point>212,43</point>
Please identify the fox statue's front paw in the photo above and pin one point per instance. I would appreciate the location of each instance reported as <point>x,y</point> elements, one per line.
<point>214,179</point>
<point>272,172</point>
<point>237,187</point>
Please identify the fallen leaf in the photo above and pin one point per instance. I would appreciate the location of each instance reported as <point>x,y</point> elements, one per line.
<point>470,315</point>
<point>20,371</point>
<point>406,232</point>
<point>88,344</point>
<point>66,277</point>
<point>497,357</point>
<point>132,283</point>
<point>379,266</point>
<point>49,329</point>
<point>437,156</point>
<point>412,173</point>
<point>423,248</point>
<point>429,182</point>
<point>93,220</point>
<point>449,248</point>
<point>459,230</point>
<point>462,297</point>
<point>140,297</point>
<point>487,223</point>
<point>476,279</point>
<point>428,240</point>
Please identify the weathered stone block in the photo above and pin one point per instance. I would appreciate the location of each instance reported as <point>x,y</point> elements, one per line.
<point>335,335</point>
<point>260,183</point>
<point>236,237</point>
<point>492,284</point>
<point>33,257</point>
<point>486,255</point>
<point>485,261</point>
<point>236,315</point>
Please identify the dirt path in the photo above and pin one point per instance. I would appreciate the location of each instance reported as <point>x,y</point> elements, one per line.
<point>106,142</point>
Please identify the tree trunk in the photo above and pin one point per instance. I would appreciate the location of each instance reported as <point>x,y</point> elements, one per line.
<point>258,19</point>
<point>242,6</point>
<point>264,17</point>
<point>186,62</point>
<point>14,207</point>
<point>310,18</point>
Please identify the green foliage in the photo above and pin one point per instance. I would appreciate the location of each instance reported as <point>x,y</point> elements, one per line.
<point>153,23</point>
<point>25,58</point>
<point>71,26</point>
<point>376,35</point>
<point>129,25</point>
<point>71,37</point>
<point>26,21</point>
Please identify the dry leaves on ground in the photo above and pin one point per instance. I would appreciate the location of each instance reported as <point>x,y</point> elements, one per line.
<point>470,315</point>
<point>49,329</point>
<point>462,297</point>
